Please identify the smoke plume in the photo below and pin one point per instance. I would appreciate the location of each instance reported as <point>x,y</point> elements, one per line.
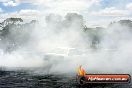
<point>61,44</point>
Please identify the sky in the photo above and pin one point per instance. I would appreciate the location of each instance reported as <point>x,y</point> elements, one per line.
<point>95,12</point>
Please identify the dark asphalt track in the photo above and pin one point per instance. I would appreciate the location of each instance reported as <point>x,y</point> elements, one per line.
<point>17,79</point>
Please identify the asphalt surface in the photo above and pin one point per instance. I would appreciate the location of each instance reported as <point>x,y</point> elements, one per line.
<point>19,79</point>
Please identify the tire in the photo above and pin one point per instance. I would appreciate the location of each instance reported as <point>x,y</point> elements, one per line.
<point>81,80</point>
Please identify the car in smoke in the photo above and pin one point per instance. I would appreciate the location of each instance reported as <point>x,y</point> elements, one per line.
<point>63,52</point>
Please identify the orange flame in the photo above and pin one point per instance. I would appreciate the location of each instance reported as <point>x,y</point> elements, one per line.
<point>81,71</point>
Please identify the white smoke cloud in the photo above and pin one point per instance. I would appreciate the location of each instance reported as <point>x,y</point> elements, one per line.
<point>60,45</point>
